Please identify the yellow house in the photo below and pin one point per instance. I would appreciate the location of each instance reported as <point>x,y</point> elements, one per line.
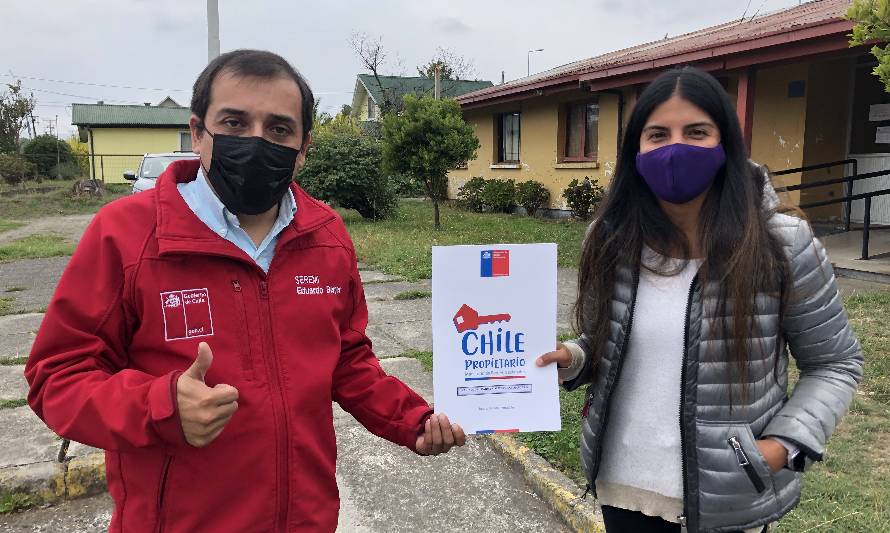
<point>119,135</point>
<point>803,97</point>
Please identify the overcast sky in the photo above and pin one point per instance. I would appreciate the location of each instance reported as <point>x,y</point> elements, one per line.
<point>162,44</point>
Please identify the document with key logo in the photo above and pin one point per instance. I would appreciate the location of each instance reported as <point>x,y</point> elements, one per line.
<point>494,313</point>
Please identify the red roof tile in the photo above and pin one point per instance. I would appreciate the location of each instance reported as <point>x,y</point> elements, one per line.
<point>808,15</point>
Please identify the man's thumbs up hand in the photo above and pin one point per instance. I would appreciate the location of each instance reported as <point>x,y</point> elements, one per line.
<point>203,411</point>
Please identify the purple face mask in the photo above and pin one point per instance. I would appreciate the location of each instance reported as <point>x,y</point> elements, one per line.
<point>678,173</point>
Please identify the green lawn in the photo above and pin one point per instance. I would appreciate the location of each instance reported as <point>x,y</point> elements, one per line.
<point>36,246</point>
<point>6,305</point>
<point>401,246</point>
<point>6,225</point>
<point>58,201</point>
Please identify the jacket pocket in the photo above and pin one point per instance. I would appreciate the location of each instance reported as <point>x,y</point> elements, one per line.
<point>734,484</point>
<point>244,338</point>
<point>162,491</point>
<point>745,463</point>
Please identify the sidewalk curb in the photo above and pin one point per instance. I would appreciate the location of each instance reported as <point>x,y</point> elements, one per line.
<point>53,482</point>
<point>554,487</point>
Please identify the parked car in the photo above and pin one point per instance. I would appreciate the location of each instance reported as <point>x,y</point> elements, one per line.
<point>152,166</point>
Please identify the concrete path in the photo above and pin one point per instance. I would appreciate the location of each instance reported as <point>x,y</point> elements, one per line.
<point>383,487</point>
<point>69,226</point>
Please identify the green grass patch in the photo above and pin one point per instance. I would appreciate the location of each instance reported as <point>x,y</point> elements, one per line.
<point>36,246</point>
<point>12,404</point>
<point>6,305</point>
<point>6,225</point>
<point>401,246</point>
<point>415,294</point>
<point>58,200</point>
<point>14,361</point>
<point>425,358</point>
<point>560,448</point>
<point>14,501</point>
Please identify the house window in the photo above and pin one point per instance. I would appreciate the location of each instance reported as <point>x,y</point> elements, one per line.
<point>372,112</point>
<point>185,141</point>
<point>508,138</point>
<point>581,129</point>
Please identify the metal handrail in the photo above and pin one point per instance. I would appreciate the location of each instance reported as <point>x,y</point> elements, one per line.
<point>848,182</point>
<point>848,197</point>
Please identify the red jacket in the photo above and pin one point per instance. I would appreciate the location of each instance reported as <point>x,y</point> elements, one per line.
<point>147,283</point>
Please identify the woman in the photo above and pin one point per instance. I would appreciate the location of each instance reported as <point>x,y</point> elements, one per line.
<point>691,287</point>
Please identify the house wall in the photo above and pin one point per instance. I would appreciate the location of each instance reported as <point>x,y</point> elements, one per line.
<point>121,149</point>
<point>780,122</point>
<point>788,131</point>
<point>540,145</point>
<point>363,102</point>
<point>827,132</point>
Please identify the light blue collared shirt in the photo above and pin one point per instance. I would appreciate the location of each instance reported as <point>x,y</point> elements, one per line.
<point>204,203</point>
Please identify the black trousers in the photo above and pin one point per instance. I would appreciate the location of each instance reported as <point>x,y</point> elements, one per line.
<point>624,521</point>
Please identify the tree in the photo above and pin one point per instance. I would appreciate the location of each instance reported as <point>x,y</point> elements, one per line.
<point>451,65</point>
<point>80,153</point>
<point>15,110</point>
<point>426,140</point>
<point>373,59</point>
<point>345,111</point>
<point>871,20</point>
<point>319,118</point>
<point>45,151</point>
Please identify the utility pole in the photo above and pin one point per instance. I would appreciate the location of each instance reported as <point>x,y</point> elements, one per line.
<point>437,90</point>
<point>33,122</point>
<point>58,158</point>
<point>528,61</point>
<point>212,30</point>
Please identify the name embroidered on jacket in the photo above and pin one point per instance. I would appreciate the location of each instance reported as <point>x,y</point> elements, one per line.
<point>310,284</point>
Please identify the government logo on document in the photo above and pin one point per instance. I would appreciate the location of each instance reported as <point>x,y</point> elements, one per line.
<point>495,263</point>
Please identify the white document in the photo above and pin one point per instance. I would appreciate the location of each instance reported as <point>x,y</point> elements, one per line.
<point>878,112</point>
<point>882,135</point>
<point>494,313</point>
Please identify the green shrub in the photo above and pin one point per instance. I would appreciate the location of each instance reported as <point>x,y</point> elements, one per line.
<point>68,171</point>
<point>45,151</point>
<point>15,169</point>
<point>344,169</point>
<point>499,195</point>
<point>469,196</point>
<point>532,195</point>
<point>583,197</point>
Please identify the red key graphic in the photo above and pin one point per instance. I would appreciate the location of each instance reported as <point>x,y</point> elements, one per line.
<point>468,318</point>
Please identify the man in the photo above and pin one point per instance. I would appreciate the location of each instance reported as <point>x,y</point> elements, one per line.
<point>202,329</point>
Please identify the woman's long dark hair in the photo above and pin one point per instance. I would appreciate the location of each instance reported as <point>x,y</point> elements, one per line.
<point>739,252</point>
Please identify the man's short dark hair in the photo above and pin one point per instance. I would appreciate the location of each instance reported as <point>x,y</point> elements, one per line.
<point>252,64</point>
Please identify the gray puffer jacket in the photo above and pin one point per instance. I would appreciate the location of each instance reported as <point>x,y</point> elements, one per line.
<point>720,492</point>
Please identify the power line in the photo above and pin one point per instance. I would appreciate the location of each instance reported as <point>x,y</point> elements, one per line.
<point>744,13</point>
<point>83,97</point>
<point>11,75</point>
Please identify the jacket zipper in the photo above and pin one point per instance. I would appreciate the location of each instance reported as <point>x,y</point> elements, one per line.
<point>683,519</point>
<point>599,453</point>
<point>162,489</point>
<point>283,467</point>
<point>246,364</point>
<point>746,465</point>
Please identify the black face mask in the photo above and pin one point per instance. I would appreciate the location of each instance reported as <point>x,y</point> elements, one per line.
<point>250,174</point>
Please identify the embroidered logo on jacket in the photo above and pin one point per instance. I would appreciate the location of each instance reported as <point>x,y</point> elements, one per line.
<point>186,314</point>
